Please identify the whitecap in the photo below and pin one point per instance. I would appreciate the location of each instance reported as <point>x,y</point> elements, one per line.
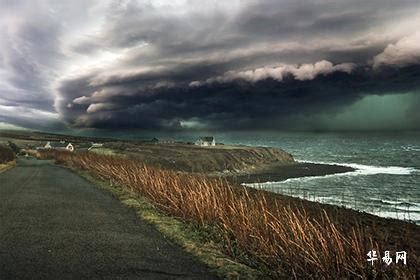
<point>410,148</point>
<point>362,169</point>
<point>410,216</point>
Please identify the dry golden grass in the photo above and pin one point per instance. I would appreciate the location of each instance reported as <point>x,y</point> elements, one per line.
<point>280,239</point>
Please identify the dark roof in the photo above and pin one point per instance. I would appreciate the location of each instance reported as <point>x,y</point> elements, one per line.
<point>83,145</point>
<point>57,144</point>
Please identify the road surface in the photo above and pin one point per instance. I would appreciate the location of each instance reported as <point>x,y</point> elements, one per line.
<point>57,225</point>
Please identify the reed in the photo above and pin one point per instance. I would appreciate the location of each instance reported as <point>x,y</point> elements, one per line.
<point>280,239</point>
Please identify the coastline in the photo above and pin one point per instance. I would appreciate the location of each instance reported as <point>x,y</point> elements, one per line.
<point>388,234</point>
<point>281,172</point>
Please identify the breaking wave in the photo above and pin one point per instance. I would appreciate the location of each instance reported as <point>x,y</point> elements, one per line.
<point>362,169</point>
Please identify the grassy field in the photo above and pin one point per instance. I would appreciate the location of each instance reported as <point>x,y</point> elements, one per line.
<point>282,237</point>
<point>196,159</point>
<point>238,163</point>
<point>175,156</point>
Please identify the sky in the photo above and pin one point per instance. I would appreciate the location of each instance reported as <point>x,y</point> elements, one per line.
<point>184,65</point>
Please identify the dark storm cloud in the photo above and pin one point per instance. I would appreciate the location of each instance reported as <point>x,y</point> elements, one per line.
<point>241,104</point>
<point>207,64</point>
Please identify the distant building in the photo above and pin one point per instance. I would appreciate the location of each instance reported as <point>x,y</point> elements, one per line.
<point>95,146</point>
<point>70,147</point>
<point>60,145</point>
<point>206,141</point>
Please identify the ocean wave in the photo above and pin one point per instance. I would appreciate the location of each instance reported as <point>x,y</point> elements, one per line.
<point>362,169</point>
<point>401,210</point>
<point>414,217</point>
<point>410,148</point>
<point>402,204</point>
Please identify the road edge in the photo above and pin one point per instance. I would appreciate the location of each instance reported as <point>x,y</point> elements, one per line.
<point>188,237</point>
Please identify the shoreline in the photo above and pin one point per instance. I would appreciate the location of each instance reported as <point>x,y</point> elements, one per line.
<point>391,234</point>
<point>281,172</point>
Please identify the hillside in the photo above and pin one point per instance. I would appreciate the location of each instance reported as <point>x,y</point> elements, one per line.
<point>192,158</point>
<point>239,163</point>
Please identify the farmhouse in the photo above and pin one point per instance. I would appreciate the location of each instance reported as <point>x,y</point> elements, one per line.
<point>60,145</point>
<point>206,141</point>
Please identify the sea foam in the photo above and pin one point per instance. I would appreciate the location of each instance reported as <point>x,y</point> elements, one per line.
<point>362,169</point>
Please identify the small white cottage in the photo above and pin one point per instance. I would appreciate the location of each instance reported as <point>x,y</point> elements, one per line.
<point>70,147</point>
<point>61,145</point>
<point>206,141</point>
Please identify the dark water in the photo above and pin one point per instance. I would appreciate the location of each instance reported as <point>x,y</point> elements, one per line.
<point>387,180</point>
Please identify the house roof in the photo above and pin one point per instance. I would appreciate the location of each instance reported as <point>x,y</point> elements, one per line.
<point>58,144</point>
<point>55,144</point>
<point>83,145</point>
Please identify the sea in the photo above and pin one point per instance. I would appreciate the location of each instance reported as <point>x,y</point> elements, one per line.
<point>386,182</point>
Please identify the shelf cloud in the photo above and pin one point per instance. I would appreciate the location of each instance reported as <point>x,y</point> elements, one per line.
<point>183,65</point>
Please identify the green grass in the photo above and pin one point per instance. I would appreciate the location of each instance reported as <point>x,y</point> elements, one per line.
<point>104,151</point>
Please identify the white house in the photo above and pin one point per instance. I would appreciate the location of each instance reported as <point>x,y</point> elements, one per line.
<point>206,141</point>
<point>59,146</point>
<point>70,147</point>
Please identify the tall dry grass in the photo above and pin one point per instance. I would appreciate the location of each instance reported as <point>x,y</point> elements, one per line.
<point>279,238</point>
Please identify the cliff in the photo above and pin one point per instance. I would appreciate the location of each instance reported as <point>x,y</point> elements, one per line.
<point>192,158</point>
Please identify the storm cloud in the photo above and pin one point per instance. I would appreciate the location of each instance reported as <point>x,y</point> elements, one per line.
<point>183,65</point>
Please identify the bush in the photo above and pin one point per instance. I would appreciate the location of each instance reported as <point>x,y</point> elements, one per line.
<point>6,154</point>
<point>15,148</point>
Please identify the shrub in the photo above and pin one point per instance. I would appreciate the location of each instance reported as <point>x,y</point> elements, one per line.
<point>6,154</point>
<point>15,148</point>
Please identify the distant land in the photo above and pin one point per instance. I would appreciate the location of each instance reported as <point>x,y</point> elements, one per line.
<point>237,163</point>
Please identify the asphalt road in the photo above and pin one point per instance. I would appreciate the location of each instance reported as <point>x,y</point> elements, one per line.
<point>56,225</point>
